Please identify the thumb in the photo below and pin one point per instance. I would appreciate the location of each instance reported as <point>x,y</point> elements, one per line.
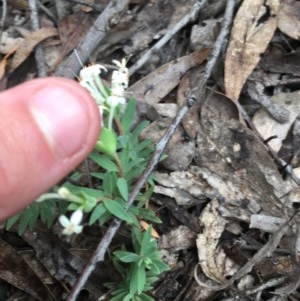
<point>47,127</point>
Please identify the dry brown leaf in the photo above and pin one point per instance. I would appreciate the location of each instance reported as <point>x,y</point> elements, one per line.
<point>268,126</point>
<point>72,29</point>
<point>9,44</point>
<point>250,37</point>
<point>14,270</point>
<point>214,263</point>
<point>146,225</point>
<point>29,43</point>
<point>3,65</point>
<point>3,62</point>
<point>155,86</point>
<point>288,18</point>
<point>18,4</point>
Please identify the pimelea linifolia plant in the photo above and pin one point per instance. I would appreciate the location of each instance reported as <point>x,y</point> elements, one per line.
<point>121,157</point>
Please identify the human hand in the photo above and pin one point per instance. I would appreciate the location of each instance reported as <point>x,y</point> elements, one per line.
<point>47,127</point>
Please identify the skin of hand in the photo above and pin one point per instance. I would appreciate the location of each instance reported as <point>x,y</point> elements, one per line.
<point>47,127</point>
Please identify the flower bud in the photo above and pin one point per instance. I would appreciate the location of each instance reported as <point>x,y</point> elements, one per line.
<point>107,142</point>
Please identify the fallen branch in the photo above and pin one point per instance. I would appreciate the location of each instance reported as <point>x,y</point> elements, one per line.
<point>92,39</point>
<point>38,53</point>
<point>169,34</point>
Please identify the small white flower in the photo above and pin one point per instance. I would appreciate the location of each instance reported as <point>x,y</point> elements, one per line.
<point>117,91</point>
<point>64,192</point>
<point>114,101</point>
<point>121,65</point>
<point>90,80</point>
<point>120,77</point>
<point>72,225</point>
<point>88,73</point>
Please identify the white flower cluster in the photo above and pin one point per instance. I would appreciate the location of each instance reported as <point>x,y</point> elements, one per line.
<point>90,79</point>
<point>119,83</point>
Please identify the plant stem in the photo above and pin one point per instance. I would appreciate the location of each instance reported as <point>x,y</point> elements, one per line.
<point>117,159</point>
<point>119,126</point>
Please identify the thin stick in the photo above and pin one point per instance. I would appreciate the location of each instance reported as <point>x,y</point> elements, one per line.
<point>221,40</point>
<point>169,34</point>
<point>3,15</point>
<point>38,53</point>
<point>281,163</point>
<point>92,39</point>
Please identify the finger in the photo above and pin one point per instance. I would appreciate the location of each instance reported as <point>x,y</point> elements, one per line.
<point>47,127</point>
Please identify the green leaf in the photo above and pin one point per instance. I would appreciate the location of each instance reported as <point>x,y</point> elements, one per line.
<point>137,237</point>
<point>123,188</point>
<point>109,183</point>
<point>126,256</point>
<point>158,266</point>
<point>98,175</point>
<point>146,297</point>
<point>124,158</point>
<point>119,297</point>
<point>148,243</point>
<point>137,131</point>
<point>105,162</point>
<point>140,279</point>
<point>128,115</point>
<point>98,211</point>
<point>149,215</point>
<point>118,210</point>
<point>28,218</point>
<point>105,218</point>
<point>123,141</point>
<point>48,212</point>
<point>95,193</point>
<point>128,297</point>
<point>12,220</point>
<point>89,202</point>
<point>144,144</point>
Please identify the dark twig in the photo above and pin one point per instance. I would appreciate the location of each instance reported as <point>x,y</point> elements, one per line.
<point>222,38</point>
<point>169,34</point>
<point>97,7</point>
<point>3,15</point>
<point>39,54</point>
<point>279,161</point>
<point>92,39</point>
<point>47,12</point>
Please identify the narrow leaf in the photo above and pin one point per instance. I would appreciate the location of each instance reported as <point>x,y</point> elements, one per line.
<point>128,115</point>
<point>127,256</point>
<point>123,188</point>
<point>105,162</point>
<point>117,210</point>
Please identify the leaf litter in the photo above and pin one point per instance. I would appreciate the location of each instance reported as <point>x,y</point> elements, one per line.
<point>232,163</point>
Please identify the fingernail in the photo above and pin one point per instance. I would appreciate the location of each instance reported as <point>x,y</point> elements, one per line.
<point>63,119</point>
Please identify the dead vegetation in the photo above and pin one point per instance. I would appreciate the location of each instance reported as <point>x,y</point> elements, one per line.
<point>228,191</point>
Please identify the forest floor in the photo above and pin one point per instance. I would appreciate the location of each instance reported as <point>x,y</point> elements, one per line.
<point>227,192</point>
